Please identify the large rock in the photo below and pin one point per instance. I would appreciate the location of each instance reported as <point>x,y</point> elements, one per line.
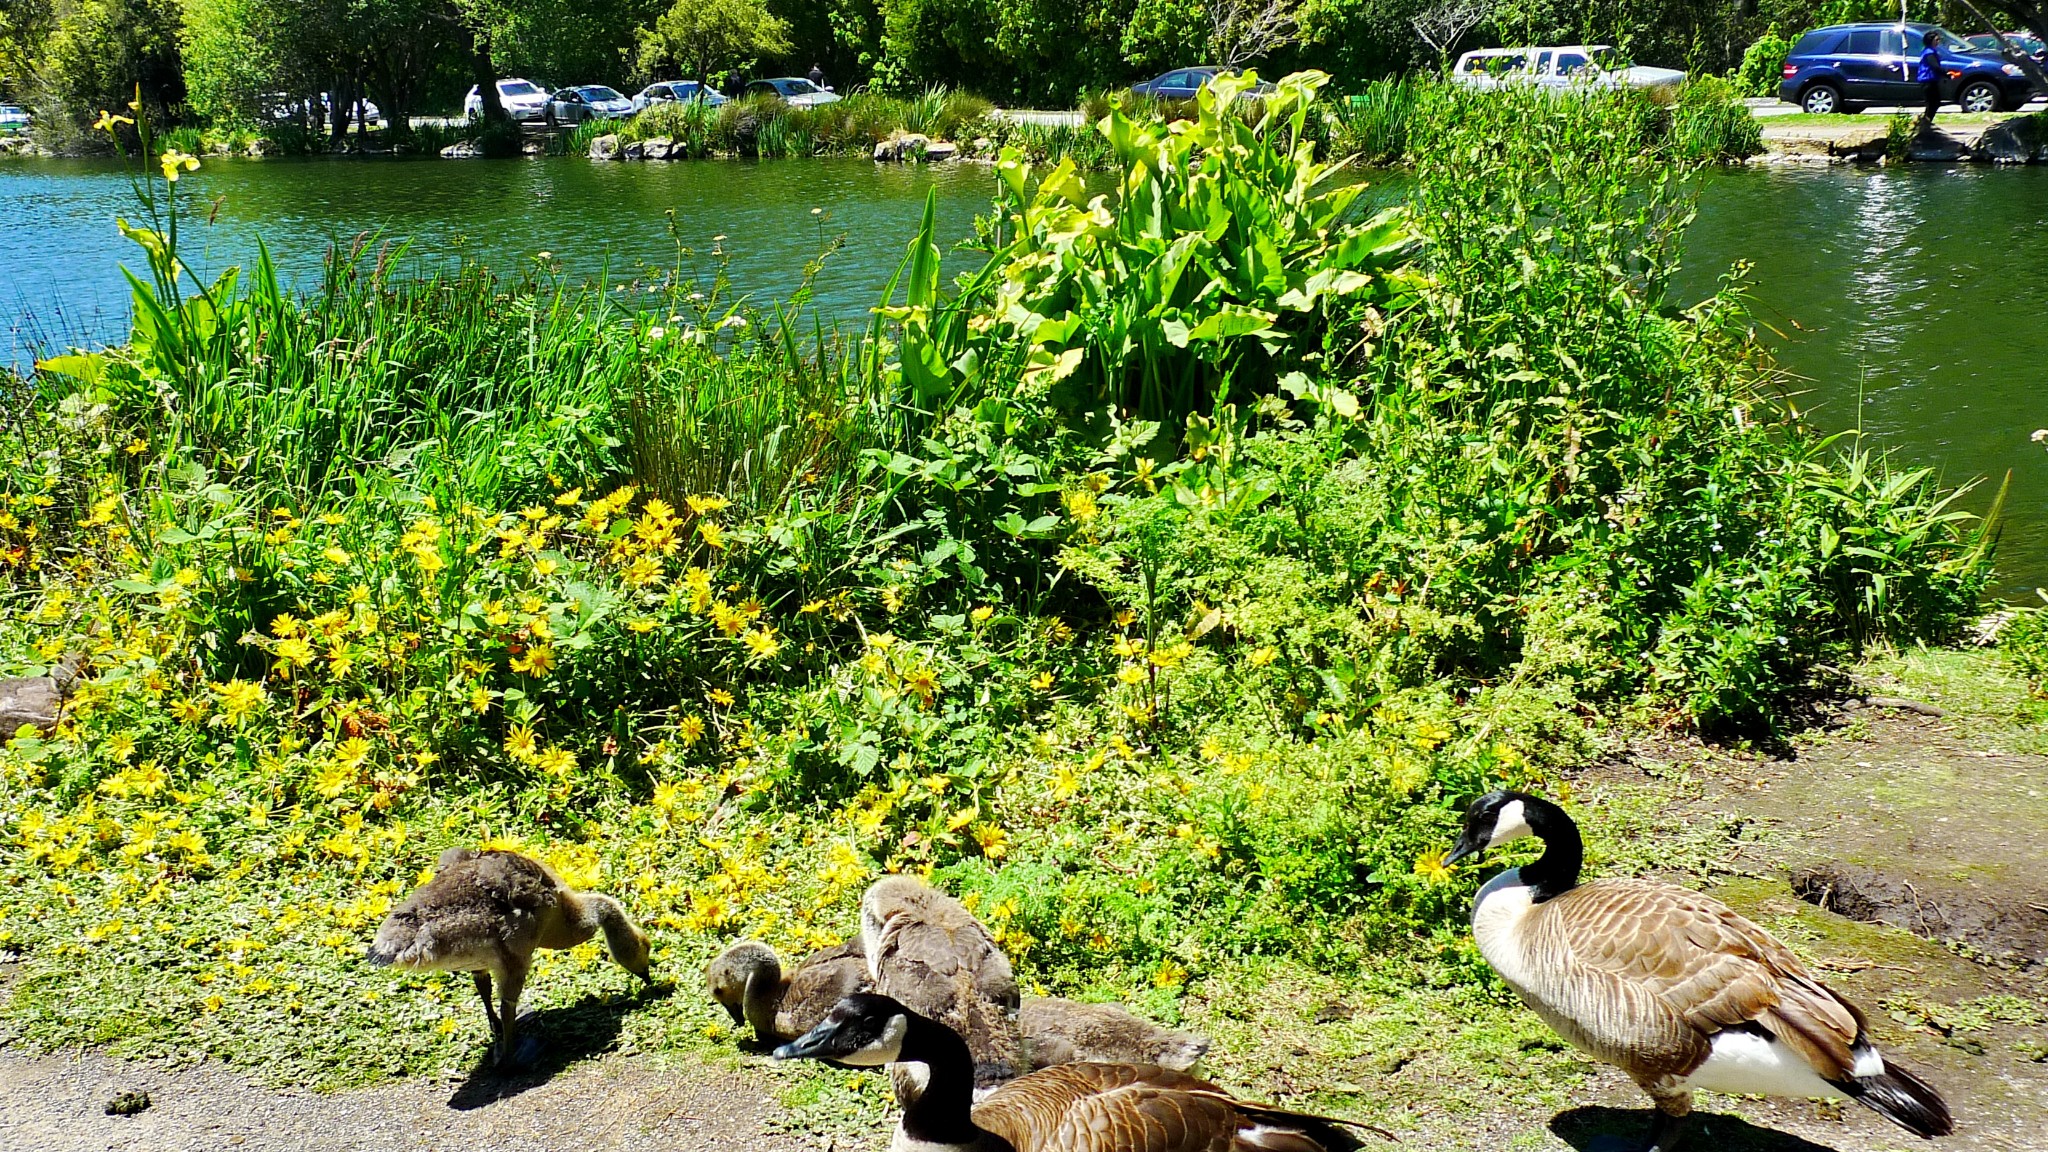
<point>902,146</point>
<point>462,150</point>
<point>2016,141</point>
<point>939,150</point>
<point>659,148</point>
<point>637,150</point>
<point>605,147</point>
<point>37,700</point>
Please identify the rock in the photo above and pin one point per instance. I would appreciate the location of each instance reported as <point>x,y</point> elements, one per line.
<point>37,700</point>
<point>534,148</point>
<point>903,146</point>
<point>128,1104</point>
<point>605,147</point>
<point>1938,147</point>
<point>634,151</point>
<point>659,148</point>
<point>462,150</point>
<point>939,150</point>
<point>2015,141</point>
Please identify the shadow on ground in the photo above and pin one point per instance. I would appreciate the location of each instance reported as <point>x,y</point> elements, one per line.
<point>1628,1130</point>
<point>550,1042</point>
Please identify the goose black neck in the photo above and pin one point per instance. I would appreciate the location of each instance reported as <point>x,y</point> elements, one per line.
<point>943,1113</point>
<point>1556,872</point>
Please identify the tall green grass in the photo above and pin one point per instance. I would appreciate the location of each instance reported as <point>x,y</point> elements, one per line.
<point>1374,123</point>
<point>769,127</point>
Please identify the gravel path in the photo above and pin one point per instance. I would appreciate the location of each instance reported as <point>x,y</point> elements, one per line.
<point>57,1104</point>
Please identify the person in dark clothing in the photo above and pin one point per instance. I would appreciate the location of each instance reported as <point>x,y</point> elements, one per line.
<point>817,76</point>
<point>1930,76</point>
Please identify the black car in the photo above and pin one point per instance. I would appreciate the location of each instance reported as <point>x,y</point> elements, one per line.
<point>1183,83</point>
<point>1846,66</point>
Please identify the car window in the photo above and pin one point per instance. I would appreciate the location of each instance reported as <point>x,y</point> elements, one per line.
<point>1816,43</point>
<point>1542,62</point>
<point>1502,64</point>
<point>1471,65</point>
<point>1863,43</point>
<point>1943,38</point>
<point>516,88</point>
<point>1894,43</point>
<point>1570,62</point>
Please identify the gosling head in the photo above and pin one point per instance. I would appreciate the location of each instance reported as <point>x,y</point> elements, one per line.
<point>636,955</point>
<point>863,1030</point>
<point>729,975</point>
<point>1493,820</point>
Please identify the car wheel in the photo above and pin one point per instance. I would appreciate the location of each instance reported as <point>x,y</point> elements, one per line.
<point>1980,96</point>
<point>1822,99</point>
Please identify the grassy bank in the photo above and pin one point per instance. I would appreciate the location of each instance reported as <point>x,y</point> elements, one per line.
<point>1162,586</point>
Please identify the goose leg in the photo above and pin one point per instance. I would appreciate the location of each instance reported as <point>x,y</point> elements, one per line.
<point>483,991</point>
<point>1669,1127</point>
<point>511,982</point>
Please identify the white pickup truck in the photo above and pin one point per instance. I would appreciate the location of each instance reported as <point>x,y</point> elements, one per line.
<point>1563,66</point>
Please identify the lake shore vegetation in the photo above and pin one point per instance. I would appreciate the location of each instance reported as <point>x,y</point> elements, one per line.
<point>1163,584</point>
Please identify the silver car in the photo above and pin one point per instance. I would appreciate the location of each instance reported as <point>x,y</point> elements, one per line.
<point>676,92</point>
<point>522,99</point>
<point>588,102</point>
<point>1565,66</point>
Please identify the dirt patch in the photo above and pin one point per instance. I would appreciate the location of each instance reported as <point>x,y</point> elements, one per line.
<point>59,1103</point>
<point>2008,934</point>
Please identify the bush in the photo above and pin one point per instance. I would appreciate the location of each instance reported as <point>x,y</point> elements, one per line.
<point>1710,122</point>
<point>1761,67</point>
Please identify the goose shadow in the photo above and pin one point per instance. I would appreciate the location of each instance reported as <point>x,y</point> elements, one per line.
<point>1599,1129</point>
<point>550,1041</point>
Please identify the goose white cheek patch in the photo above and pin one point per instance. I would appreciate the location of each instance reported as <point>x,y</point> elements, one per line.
<point>1511,824</point>
<point>884,1049</point>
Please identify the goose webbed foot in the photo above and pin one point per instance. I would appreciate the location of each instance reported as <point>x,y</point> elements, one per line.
<point>1665,1132</point>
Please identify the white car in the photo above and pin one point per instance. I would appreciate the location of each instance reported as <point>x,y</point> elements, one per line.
<point>523,100</point>
<point>675,92</point>
<point>1561,66</point>
<point>795,91</point>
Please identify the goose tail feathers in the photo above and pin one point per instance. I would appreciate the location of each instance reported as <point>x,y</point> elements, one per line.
<point>1279,1130</point>
<point>1902,1098</point>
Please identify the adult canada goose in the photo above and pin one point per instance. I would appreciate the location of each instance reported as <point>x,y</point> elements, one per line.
<point>1071,1108</point>
<point>1669,985</point>
<point>925,949</point>
<point>484,913</point>
<point>747,978</point>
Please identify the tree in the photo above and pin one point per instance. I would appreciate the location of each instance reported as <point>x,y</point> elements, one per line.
<point>1244,30</point>
<point>700,35</point>
<point>1445,23</point>
<point>2033,14</point>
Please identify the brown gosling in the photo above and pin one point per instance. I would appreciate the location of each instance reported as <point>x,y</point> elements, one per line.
<point>748,981</point>
<point>484,913</point>
<point>1670,985</point>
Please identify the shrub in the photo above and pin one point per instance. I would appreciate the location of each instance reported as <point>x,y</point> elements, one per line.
<point>1710,122</point>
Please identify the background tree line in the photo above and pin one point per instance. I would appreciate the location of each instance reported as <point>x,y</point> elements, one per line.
<point>234,60</point>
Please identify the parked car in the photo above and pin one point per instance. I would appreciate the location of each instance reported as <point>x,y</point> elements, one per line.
<point>586,102</point>
<point>13,119</point>
<point>2031,45</point>
<point>1560,66</point>
<point>523,100</point>
<point>795,90</point>
<point>676,91</point>
<point>1183,83</point>
<point>1844,67</point>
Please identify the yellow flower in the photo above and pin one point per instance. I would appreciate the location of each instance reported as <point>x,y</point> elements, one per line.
<point>994,841</point>
<point>704,505</point>
<point>1041,682</point>
<point>763,643</point>
<point>1262,657</point>
<point>813,608</point>
<point>569,498</point>
<point>107,121</point>
<point>980,615</point>
<point>641,624</point>
<point>922,681</point>
<point>1065,782</point>
<point>335,555</point>
<point>713,535</point>
<point>644,570</point>
<point>1431,868</point>
<point>720,697</point>
<point>520,743</point>
<point>174,160</point>
<point>690,730</point>
<point>480,700</point>
<point>1131,674</point>
<point>1169,975</point>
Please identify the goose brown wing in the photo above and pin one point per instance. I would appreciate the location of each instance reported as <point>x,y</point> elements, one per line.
<point>940,962</point>
<point>1704,965</point>
<point>1120,1107</point>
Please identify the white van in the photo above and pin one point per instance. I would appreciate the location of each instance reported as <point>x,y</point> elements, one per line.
<point>1560,66</point>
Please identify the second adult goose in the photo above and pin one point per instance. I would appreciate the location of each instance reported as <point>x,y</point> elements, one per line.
<point>1071,1108</point>
<point>927,950</point>
<point>1670,985</point>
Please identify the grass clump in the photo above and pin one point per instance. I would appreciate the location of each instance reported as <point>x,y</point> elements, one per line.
<point>1162,586</point>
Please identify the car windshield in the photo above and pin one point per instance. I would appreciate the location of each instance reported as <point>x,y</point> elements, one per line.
<point>516,88</point>
<point>1609,60</point>
<point>599,92</point>
<point>797,87</point>
<point>1943,38</point>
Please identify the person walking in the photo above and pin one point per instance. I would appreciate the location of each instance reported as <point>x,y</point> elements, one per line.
<point>816,77</point>
<point>1930,76</point>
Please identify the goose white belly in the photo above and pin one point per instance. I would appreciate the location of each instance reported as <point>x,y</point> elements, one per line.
<point>1748,1064</point>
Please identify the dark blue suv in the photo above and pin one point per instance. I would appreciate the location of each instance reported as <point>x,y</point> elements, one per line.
<point>1844,67</point>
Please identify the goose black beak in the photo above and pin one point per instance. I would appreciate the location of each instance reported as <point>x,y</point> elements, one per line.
<point>820,1043</point>
<point>1466,846</point>
<point>733,1010</point>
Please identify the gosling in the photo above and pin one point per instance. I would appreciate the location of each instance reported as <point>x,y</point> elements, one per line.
<point>484,913</point>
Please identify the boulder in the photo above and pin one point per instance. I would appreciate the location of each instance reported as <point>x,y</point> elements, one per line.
<point>605,147</point>
<point>903,146</point>
<point>2015,141</point>
<point>659,148</point>
<point>939,150</point>
<point>634,151</point>
<point>37,700</point>
<point>462,150</point>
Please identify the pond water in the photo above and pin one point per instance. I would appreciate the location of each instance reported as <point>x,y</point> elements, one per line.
<point>1910,302</point>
